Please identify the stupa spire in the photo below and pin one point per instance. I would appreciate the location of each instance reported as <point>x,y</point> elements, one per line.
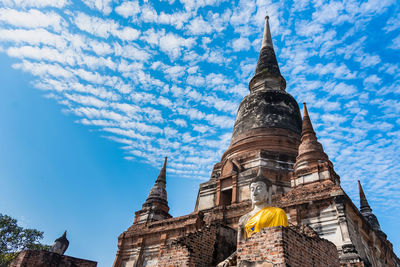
<point>366,211</point>
<point>162,177</point>
<point>307,128</point>
<point>364,206</point>
<point>311,157</point>
<point>156,205</point>
<point>310,150</point>
<point>158,193</point>
<point>267,75</point>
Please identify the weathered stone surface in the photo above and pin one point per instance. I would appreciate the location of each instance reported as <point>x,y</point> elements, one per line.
<point>287,246</point>
<point>267,109</point>
<point>42,258</point>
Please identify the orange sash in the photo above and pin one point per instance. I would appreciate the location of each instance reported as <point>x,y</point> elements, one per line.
<point>266,217</point>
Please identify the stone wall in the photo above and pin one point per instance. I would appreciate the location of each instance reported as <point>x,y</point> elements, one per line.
<point>42,258</point>
<point>206,247</point>
<point>287,246</point>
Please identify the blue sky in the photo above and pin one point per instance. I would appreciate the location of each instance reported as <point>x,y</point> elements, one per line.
<point>94,94</point>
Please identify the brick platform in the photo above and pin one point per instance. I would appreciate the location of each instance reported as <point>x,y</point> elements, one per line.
<point>287,246</point>
<point>206,247</point>
<point>42,258</point>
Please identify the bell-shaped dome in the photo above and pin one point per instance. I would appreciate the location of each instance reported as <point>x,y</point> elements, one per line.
<point>266,109</point>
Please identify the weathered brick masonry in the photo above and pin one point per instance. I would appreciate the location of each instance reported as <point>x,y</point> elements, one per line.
<point>205,247</point>
<point>42,258</point>
<point>287,246</point>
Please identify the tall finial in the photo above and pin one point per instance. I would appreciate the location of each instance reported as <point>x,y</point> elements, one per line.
<point>307,127</point>
<point>156,205</point>
<point>267,38</point>
<point>267,75</point>
<point>310,150</point>
<point>364,206</point>
<point>158,193</point>
<point>366,211</point>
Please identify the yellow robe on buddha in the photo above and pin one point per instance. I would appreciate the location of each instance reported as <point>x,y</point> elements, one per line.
<point>264,218</point>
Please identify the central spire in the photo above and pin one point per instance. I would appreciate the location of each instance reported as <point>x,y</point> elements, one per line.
<point>267,39</point>
<point>268,107</point>
<point>267,75</point>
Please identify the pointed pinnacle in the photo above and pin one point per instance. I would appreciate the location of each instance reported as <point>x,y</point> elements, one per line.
<point>364,206</point>
<point>305,111</point>
<point>162,176</point>
<point>267,39</point>
<point>65,234</point>
<point>307,127</point>
<point>267,71</point>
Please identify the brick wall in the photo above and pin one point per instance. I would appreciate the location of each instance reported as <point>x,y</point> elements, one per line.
<point>42,258</point>
<point>199,248</point>
<point>287,246</point>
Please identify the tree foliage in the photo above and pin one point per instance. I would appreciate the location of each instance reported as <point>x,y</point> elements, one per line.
<point>14,238</point>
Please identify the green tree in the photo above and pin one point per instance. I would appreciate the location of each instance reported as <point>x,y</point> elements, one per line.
<point>14,238</point>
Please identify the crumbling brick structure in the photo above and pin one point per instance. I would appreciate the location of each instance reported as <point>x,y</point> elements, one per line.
<point>287,246</point>
<point>270,137</point>
<point>42,258</point>
<point>206,247</point>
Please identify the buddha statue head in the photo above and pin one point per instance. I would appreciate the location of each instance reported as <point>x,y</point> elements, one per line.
<point>60,245</point>
<point>260,190</point>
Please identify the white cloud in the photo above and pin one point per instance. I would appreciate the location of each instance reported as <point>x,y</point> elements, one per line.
<point>34,37</point>
<point>343,89</point>
<point>201,128</point>
<point>100,48</point>
<point>31,19</point>
<point>177,19</point>
<point>372,79</point>
<point>127,133</point>
<point>199,26</point>
<point>339,72</point>
<point>392,23</point>
<point>194,5</point>
<point>131,52</point>
<point>43,69</point>
<point>367,60</point>
<point>94,25</point>
<point>128,9</point>
<point>173,44</point>
<point>180,122</point>
<point>35,3</point>
<point>329,13</point>
<point>103,6</point>
<point>149,14</point>
<point>104,28</point>
<point>44,53</point>
<point>395,43</point>
<point>87,100</point>
<point>308,28</point>
<point>241,44</point>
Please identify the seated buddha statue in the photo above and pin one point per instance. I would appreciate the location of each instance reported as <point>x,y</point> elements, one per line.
<point>262,215</point>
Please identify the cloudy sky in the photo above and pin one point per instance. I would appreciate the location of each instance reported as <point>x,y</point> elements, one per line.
<point>94,93</point>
